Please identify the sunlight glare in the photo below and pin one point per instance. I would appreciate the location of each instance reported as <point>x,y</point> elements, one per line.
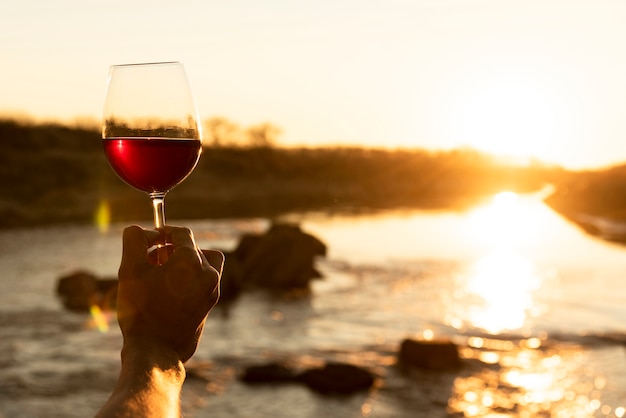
<point>103,216</point>
<point>428,334</point>
<point>507,221</point>
<point>500,287</point>
<point>508,116</point>
<point>99,318</point>
<point>505,199</point>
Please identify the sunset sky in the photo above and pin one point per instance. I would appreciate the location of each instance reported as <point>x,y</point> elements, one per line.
<point>535,77</point>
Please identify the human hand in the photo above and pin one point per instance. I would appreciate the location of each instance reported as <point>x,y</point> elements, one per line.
<point>165,306</point>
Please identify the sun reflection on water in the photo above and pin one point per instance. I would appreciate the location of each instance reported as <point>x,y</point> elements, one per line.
<point>527,382</point>
<point>496,292</point>
<point>508,221</point>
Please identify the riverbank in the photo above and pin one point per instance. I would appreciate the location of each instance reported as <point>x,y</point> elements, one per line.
<point>53,174</point>
<point>595,201</point>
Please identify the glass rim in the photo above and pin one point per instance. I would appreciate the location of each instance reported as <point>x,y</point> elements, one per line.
<point>147,63</point>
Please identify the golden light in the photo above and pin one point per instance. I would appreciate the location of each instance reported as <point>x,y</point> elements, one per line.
<point>507,115</point>
<point>498,288</point>
<point>537,385</point>
<point>506,198</point>
<point>501,287</point>
<point>532,343</point>
<point>489,357</point>
<point>508,221</point>
<point>428,334</point>
<point>531,383</point>
<point>499,222</point>
<point>103,216</point>
<point>99,318</point>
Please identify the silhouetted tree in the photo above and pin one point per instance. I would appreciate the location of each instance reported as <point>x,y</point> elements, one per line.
<point>263,135</point>
<point>221,132</point>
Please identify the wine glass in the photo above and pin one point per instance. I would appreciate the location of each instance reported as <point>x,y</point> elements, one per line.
<point>151,133</point>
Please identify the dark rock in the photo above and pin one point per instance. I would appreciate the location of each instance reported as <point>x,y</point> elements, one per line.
<point>81,290</point>
<point>331,379</point>
<point>429,355</point>
<point>107,294</point>
<point>247,242</point>
<point>78,291</point>
<point>231,283</point>
<point>268,373</point>
<point>281,259</point>
<point>338,379</point>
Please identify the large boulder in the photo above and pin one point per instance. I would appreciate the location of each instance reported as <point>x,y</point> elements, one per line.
<point>77,290</point>
<point>281,259</point>
<point>332,378</point>
<point>437,355</point>
<point>338,379</point>
<point>268,373</point>
<point>80,290</point>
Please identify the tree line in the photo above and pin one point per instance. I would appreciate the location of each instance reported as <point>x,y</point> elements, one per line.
<point>51,173</point>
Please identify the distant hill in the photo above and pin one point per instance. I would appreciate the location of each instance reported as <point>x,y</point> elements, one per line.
<point>55,174</point>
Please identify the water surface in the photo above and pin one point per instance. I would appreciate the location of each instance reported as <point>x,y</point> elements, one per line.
<point>536,306</point>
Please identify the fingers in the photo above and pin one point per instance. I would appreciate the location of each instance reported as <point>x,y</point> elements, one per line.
<point>135,242</point>
<point>182,240</point>
<point>180,236</point>
<point>215,259</point>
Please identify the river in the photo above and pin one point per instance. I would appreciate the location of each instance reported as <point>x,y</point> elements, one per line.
<point>536,306</point>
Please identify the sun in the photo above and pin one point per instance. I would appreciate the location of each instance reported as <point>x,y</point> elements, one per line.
<point>506,116</point>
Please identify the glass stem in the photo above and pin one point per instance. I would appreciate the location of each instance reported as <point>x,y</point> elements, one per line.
<point>158,206</point>
<point>162,251</point>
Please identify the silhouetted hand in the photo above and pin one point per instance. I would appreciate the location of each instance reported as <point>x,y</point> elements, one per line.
<point>166,305</point>
<point>161,310</point>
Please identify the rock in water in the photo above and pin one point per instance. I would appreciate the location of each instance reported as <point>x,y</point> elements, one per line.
<point>338,379</point>
<point>80,290</point>
<point>429,355</point>
<point>281,259</point>
<point>268,373</point>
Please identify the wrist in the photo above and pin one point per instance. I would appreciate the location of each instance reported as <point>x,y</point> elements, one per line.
<point>147,360</point>
<point>150,382</point>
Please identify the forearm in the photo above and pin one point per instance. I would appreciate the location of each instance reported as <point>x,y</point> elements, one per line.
<point>149,385</point>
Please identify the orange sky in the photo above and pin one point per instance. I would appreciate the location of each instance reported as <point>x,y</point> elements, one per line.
<point>544,78</point>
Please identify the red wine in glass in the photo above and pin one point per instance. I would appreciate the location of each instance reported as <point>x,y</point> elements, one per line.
<point>152,164</point>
